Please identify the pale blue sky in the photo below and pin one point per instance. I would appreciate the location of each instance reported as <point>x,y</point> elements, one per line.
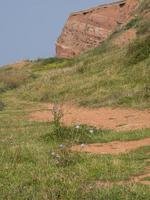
<point>29,28</point>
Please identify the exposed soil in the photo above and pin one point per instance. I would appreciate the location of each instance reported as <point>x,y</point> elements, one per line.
<point>118,119</point>
<point>112,147</point>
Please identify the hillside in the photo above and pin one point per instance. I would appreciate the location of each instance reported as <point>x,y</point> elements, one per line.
<point>79,128</point>
<point>109,75</point>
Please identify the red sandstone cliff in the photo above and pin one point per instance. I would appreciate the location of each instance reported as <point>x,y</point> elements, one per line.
<point>87,29</point>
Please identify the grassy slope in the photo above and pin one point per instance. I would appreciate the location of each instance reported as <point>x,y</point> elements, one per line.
<point>104,76</point>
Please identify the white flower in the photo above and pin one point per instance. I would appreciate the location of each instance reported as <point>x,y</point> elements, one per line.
<point>91,131</point>
<point>77,126</point>
<point>62,146</point>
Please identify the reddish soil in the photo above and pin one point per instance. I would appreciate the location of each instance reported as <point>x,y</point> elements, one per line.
<point>118,119</point>
<point>112,147</point>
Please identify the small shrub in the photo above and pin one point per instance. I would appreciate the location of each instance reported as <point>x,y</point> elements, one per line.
<point>57,113</point>
<point>132,24</point>
<point>138,50</point>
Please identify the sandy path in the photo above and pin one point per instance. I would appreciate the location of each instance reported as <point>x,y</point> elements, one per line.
<point>119,119</point>
<point>112,147</point>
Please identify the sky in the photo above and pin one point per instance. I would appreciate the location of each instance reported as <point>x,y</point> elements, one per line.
<point>30,28</point>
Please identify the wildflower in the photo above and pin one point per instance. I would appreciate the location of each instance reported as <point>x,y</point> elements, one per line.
<point>77,126</point>
<point>62,146</point>
<point>91,131</point>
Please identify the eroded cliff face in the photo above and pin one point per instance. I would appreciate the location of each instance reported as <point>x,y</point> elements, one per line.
<point>88,28</point>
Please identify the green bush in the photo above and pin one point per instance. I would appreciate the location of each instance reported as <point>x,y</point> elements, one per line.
<point>132,24</point>
<point>138,50</point>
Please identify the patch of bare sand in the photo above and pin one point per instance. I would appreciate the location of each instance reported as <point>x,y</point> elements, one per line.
<point>111,147</point>
<point>119,119</point>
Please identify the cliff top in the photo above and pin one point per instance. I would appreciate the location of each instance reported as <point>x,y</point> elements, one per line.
<point>85,11</point>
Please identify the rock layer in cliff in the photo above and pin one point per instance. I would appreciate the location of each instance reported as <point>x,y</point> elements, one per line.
<point>87,29</point>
